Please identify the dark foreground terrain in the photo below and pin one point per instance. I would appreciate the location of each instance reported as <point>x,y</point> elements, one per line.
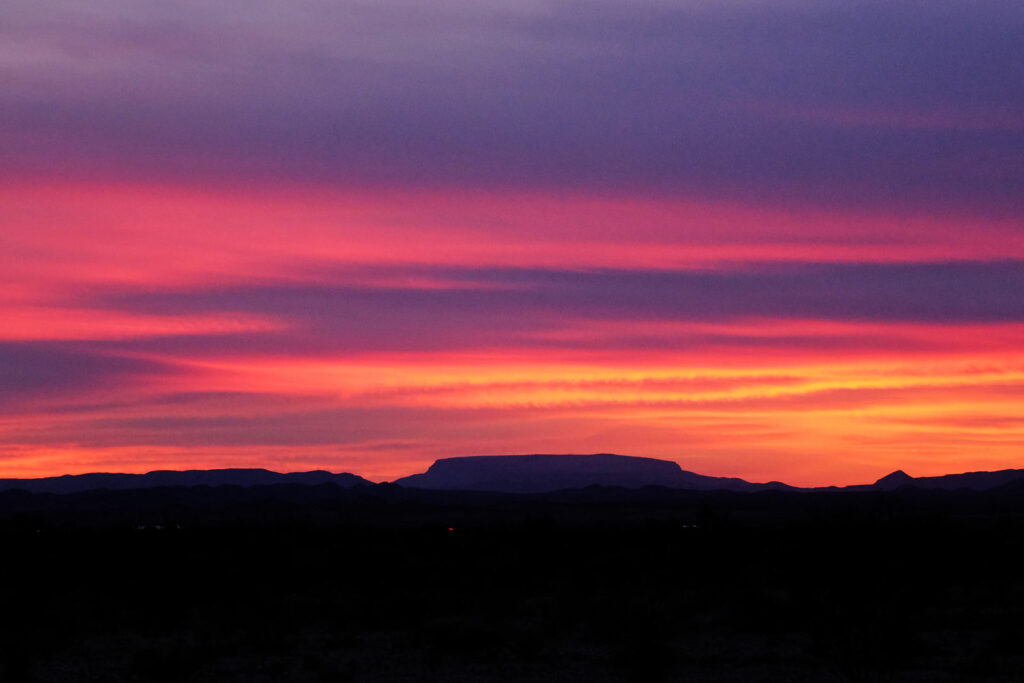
<point>378,583</point>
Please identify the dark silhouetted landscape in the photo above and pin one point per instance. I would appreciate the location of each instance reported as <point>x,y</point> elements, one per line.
<point>249,575</point>
<point>163,478</point>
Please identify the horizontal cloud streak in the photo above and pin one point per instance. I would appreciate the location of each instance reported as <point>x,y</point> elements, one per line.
<point>39,370</point>
<point>485,301</point>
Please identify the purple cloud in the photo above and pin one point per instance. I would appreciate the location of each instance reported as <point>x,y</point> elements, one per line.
<point>40,370</point>
<point>529,307</point>
<point>791,101</point>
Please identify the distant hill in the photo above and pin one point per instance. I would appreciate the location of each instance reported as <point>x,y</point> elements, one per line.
<point>515,474</point>
<point>544,472</point>
<point>75,483</point>
<point>976,481</point>
<point>891,482</point>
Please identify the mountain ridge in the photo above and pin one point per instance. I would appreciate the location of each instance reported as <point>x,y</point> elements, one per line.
<point>978,481</point>
<point>77,483</point>
<point>531,473</point>
<point>545,472</point>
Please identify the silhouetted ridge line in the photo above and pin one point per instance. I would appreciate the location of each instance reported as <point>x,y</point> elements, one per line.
<point>540,473</point>
<point>510,474</point>
<point>76,483</point>
<point>976,481</point>
<point>896,480</point>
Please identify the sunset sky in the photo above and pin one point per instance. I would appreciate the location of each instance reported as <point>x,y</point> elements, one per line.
<point>773,240</point>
